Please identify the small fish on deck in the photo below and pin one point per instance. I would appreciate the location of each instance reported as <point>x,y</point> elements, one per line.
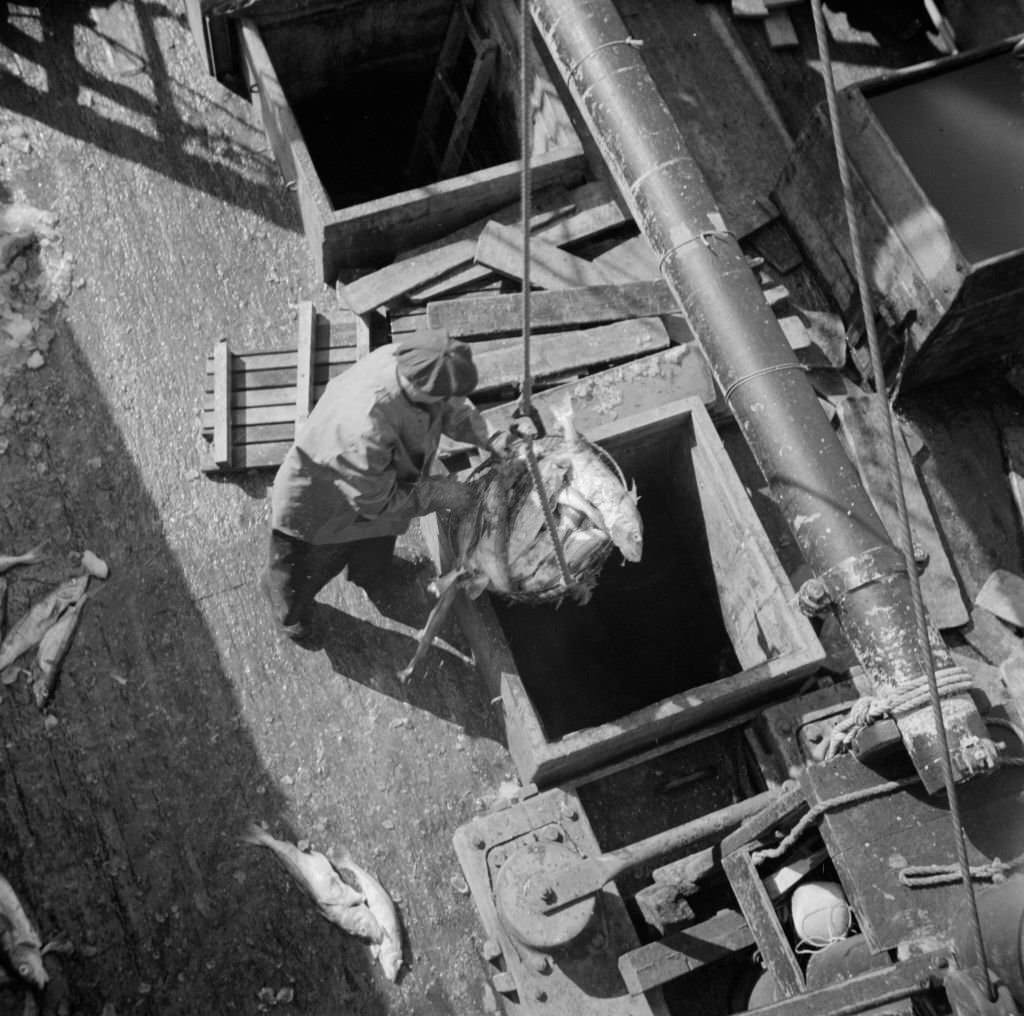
<point>33,556</point>
<point>388,951</point>
<point>53,647</point>
<point>29,630</point>
<point>336,900</point>
<point>19,940</point>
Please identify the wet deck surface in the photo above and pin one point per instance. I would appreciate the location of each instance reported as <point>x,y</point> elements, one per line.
<point>180,717</point>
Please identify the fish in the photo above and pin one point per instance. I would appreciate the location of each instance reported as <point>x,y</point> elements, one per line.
<point>597,484</point>
<point>33,556</point>
<point>19,939</point>
<point>336,900</point>
<point>32,626</point>
<point>52,648</point>
<point>387,952</point>
<point>501,543</point>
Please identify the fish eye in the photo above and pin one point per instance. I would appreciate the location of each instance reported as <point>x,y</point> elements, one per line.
<point>24,969</point>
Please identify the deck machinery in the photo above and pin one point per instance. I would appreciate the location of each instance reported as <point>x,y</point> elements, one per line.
<point>876,820</point>
<point>579,921</point>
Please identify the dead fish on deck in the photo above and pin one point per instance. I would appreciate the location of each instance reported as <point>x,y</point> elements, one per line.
<point>388,951</point>
<point>315,875</point>
<point>7,561</point>
<point>29,630</point>
<point>19,941</point>
<point>53,646</point>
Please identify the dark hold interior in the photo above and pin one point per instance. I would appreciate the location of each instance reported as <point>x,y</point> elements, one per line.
<point>961,133</point>
<point>358,85</point>
<point>651,630</point>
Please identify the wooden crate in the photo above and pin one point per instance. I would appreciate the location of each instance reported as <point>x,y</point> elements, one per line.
<point>252,402</point>
<point>937,156</point>
<point>706,555</point>
<point>341,90</point>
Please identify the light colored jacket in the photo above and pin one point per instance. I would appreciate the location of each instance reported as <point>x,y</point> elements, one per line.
<point>356,460</point>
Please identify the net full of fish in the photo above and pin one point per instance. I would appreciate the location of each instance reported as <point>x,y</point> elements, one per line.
<point>503,545</point>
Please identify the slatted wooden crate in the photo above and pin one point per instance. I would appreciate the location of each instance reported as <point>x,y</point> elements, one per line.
<point>254,401</point>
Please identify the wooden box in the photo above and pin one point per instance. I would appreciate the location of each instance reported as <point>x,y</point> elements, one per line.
<point>937,163</point>
<point>394,121</point>
<point>702,628</point>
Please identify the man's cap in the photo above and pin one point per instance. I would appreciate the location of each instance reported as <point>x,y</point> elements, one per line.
<point>436,364</point>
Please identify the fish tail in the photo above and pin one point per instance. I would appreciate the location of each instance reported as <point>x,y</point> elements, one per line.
<point>256,836</point>
<point>37,553</point>
<point>563,415</point>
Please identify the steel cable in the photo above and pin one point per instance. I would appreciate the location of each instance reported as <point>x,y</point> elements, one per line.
<point>906,539</point>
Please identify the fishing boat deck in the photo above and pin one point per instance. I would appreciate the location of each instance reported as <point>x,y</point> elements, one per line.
<point>180,717</point>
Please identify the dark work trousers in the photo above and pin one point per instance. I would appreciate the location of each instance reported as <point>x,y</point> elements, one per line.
<point>297,571</point>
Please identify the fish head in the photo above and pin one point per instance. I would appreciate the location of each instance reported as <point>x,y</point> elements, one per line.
<point>627,533</point>
<point>28,964</point>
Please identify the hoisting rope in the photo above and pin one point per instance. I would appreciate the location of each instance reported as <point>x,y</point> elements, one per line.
<point>906,539</point>
<point>526,410</point>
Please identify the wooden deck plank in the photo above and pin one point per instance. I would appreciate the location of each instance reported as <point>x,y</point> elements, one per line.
<point>283,377</point>
<point>568,308</point>
<point>582,225</point>
<point>684,951</point>
<point>395,280</point>
<point>501,249</point>
<point>557,352</point>
<point>304,366</point>
<point>222,416</point>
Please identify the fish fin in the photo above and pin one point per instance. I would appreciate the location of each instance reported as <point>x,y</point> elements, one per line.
<point>563,415</point>
<point>633,492</point>
<point>571,497</point>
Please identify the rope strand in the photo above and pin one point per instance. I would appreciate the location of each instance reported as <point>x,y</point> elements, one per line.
<point>906,538</point>
<point>526,126</point>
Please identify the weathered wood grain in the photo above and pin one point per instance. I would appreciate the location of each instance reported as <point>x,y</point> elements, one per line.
<point>570,308</point>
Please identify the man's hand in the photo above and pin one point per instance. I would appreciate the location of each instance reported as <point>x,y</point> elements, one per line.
<point>442,492</point>
<point>500,444</point>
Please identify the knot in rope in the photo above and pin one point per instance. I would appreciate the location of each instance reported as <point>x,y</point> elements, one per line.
<point>896,702</point>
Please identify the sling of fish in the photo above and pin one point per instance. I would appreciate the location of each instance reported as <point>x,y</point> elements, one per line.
<point>502,544</point>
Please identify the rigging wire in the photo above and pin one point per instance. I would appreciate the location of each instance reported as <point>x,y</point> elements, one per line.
<point>906,539</point>
<point>525,190</point>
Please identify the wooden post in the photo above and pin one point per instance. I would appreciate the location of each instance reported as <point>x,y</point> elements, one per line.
<point>305,355</point>
<point>222,404</point>
<point>759,911</point>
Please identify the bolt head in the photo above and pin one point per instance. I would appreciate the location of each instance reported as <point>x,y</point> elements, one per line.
<point>540,995</point>
<point>552,835</point>
<point>491,950</point>
<point>541,963</point>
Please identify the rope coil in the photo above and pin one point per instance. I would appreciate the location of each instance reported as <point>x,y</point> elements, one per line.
<point>908,697</point>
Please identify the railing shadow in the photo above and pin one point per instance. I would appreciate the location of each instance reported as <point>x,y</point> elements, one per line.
<point>138,106</point>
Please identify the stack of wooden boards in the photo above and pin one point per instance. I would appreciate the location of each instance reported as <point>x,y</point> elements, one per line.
<point>606,329</point>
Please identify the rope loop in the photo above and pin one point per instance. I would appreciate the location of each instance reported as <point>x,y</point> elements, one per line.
<point>896,702</point>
